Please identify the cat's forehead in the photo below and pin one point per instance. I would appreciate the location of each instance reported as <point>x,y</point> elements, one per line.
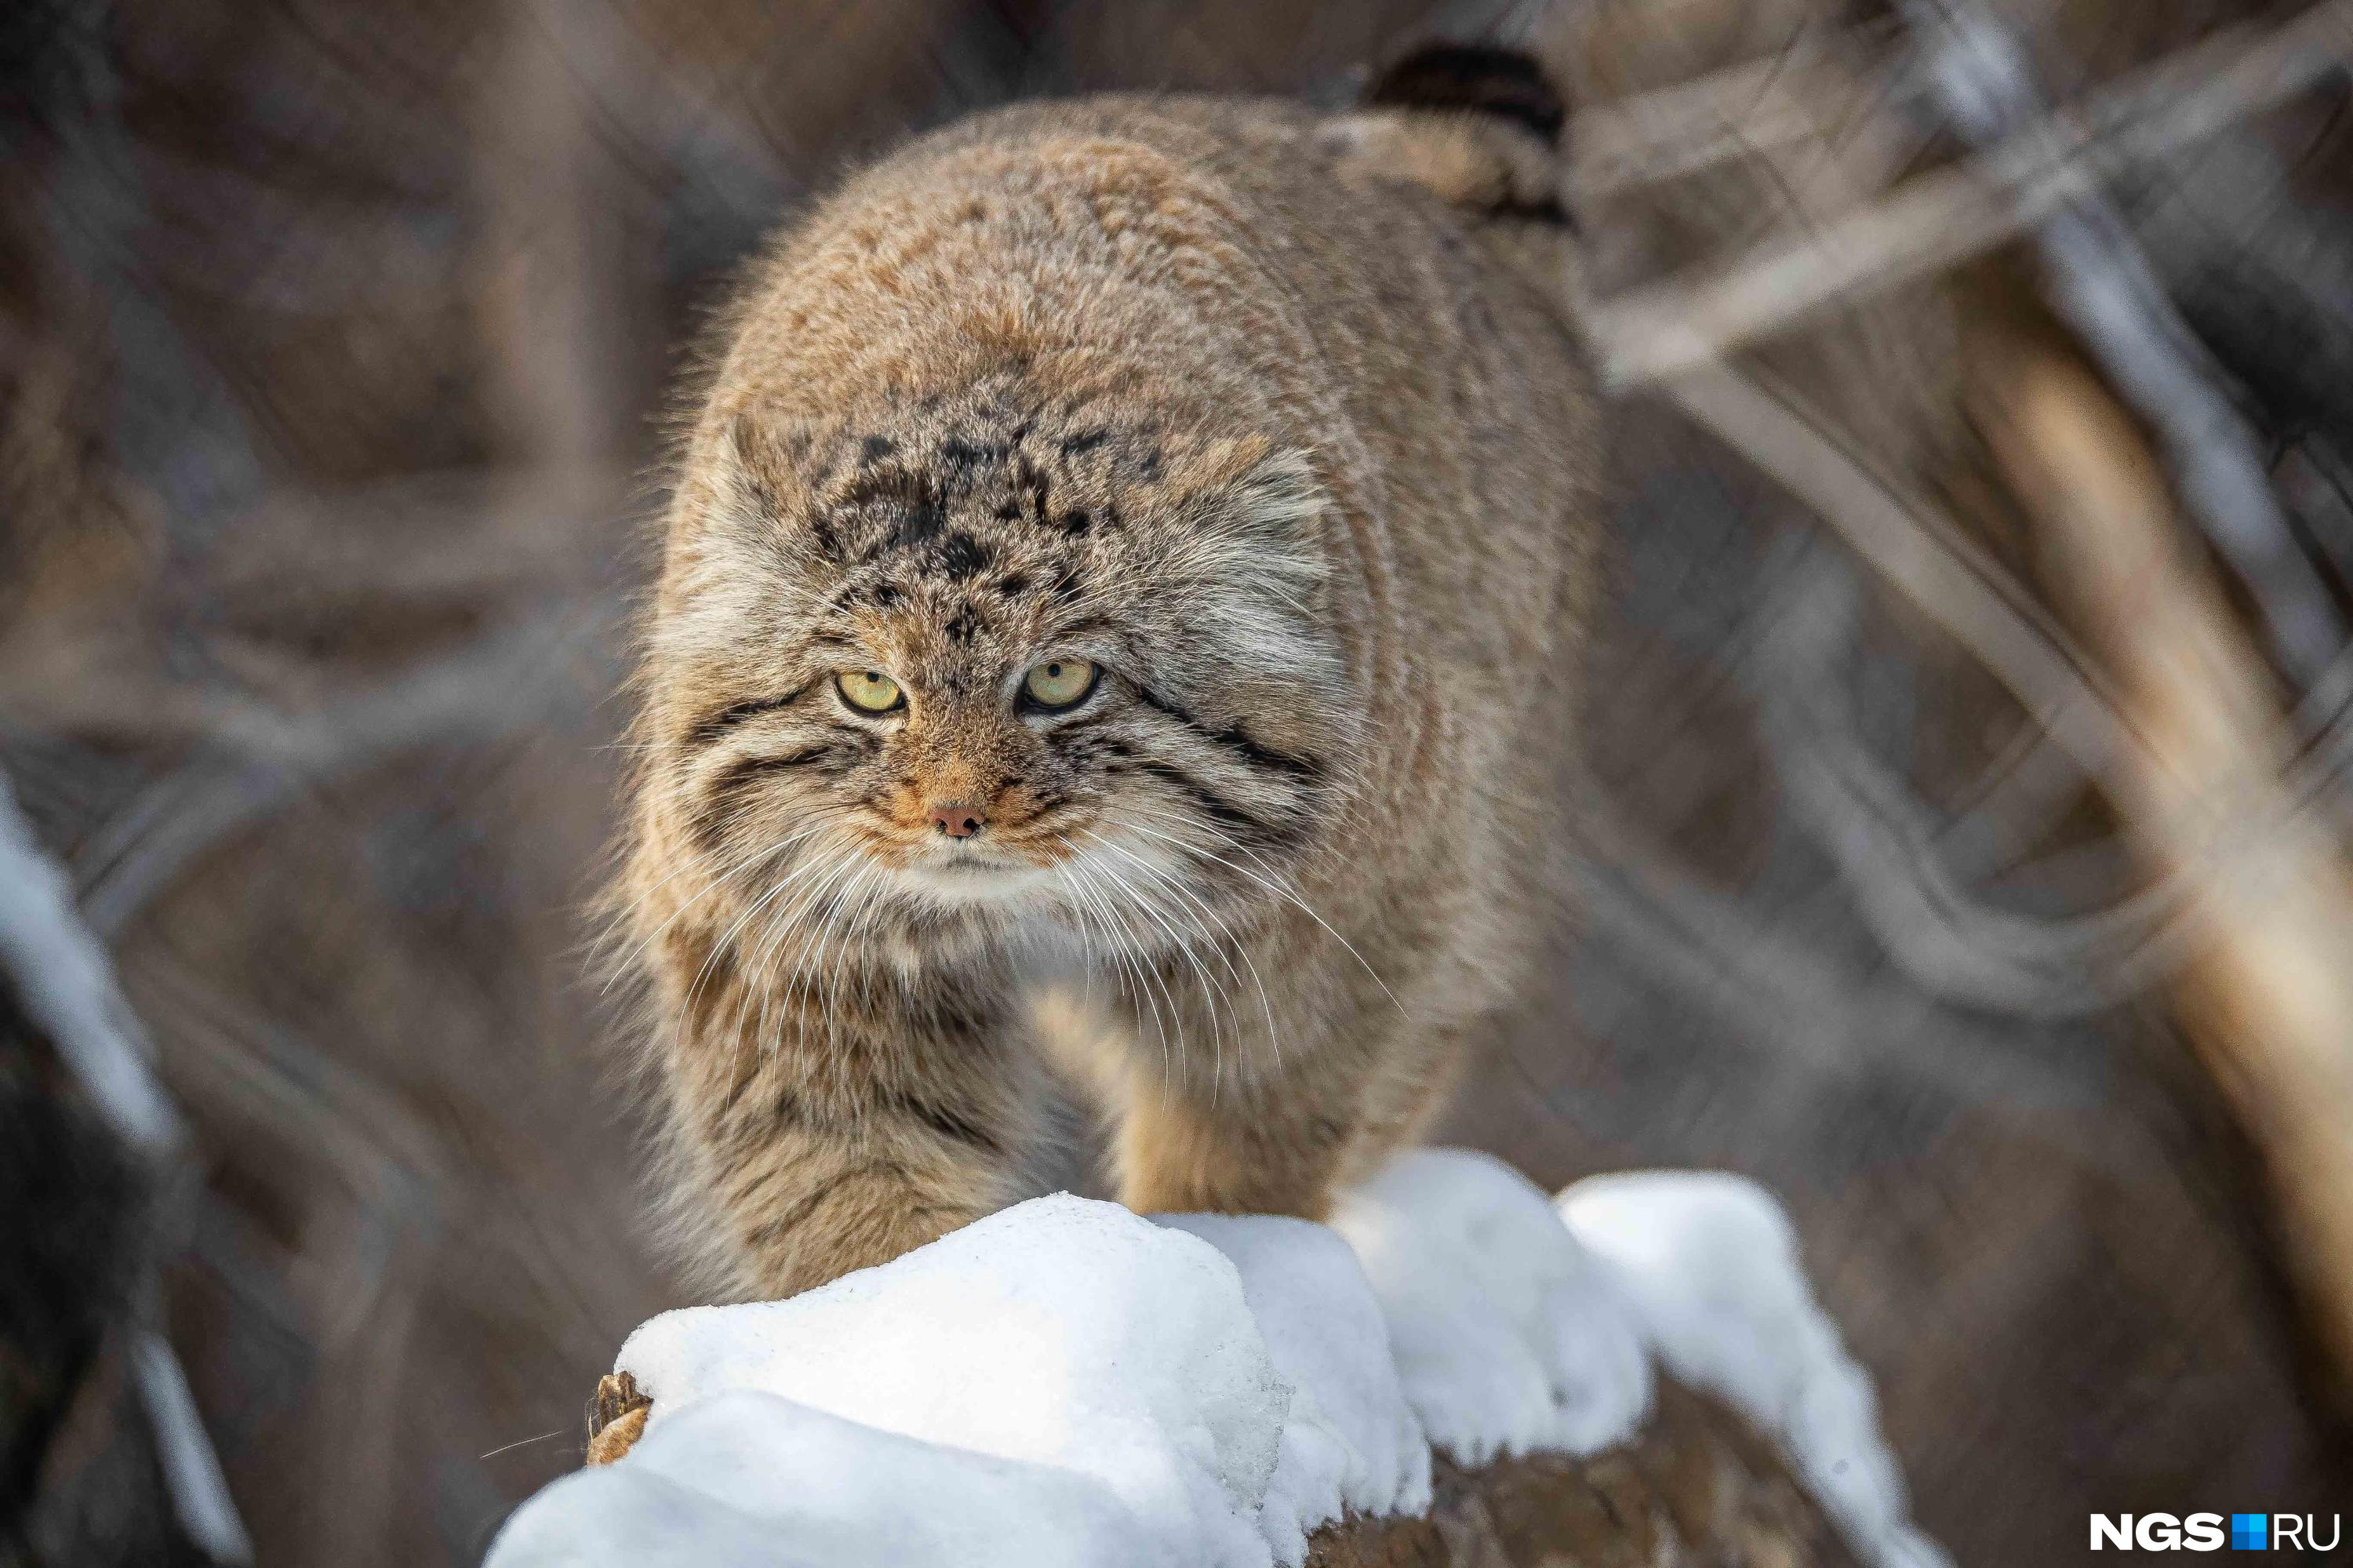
<point>925,482</point>
<point>972,522</point>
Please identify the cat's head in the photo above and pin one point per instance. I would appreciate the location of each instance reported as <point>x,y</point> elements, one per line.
<point>976,655</point>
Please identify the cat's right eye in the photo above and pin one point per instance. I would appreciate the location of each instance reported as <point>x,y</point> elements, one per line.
<point>869,691</point>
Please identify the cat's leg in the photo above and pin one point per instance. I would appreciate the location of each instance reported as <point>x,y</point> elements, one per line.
<point>1284,1141</point>
<point>1354,1052</point>
<point>875,1130</point>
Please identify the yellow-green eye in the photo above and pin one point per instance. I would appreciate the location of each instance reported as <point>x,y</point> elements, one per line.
<point>1059,682</point>
<point>869,691</point>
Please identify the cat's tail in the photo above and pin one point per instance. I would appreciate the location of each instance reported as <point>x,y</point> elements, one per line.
<point>1480,126</point>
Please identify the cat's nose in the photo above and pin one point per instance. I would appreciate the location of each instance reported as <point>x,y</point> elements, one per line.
<point>957,820</point>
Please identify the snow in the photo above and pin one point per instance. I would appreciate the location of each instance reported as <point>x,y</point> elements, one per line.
<point>745,1479</point>
<point>1062,1332</point>
<point>1711,1263</point>
<point>1509,1338</point>
<point>1067,1384</point>
<point>1351,1444</point>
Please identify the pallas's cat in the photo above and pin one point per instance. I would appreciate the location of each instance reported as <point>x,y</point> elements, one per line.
<point>1115,635</point>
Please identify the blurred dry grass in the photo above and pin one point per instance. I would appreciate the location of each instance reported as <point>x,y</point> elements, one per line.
<point>334,335</point>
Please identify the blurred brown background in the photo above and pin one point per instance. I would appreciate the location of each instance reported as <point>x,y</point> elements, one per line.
<point>335,339</point>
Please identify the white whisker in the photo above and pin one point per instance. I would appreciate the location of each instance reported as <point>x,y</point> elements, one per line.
<point>1233,944</point>
<point>742,864</point>
<point>1281,892</point>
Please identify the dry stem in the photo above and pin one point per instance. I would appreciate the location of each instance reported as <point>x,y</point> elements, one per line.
<point>2268,994</point>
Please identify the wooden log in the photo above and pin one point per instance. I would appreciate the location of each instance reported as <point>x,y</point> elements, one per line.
<point>1696,1486</point>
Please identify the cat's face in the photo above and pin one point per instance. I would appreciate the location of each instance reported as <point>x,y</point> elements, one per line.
<point>976,660</point>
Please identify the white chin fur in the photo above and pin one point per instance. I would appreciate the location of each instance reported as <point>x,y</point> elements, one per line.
<point>963,885</point>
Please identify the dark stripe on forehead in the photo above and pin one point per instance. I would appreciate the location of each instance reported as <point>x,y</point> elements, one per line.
<point>919,524</point>
<point>1235,739</point>
<point>829,540</point>
<point>959,453</point>
<point>910,498</point>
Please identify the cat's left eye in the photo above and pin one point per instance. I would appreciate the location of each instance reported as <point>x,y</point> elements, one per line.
<point>1059,682</point>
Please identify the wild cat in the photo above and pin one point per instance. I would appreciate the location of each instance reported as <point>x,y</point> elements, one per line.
<point>1117,625</point>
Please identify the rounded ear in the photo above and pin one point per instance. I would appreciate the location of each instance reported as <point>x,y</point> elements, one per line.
<point>747,486</point>
<point>1279,501</point>
<point>740,546</point>
<point>1245,579</point>
<point>1262,531</point>
<point>744,497</point>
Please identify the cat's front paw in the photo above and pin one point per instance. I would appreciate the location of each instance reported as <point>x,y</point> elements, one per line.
<point>616,1417</point>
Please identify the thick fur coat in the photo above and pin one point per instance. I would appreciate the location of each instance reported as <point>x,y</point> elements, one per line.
<point>1266,426</point>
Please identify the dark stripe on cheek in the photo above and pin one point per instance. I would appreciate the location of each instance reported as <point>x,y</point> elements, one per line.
<point>1223,811</point>
<point>1234,738</point>
<point>712,726</point>
<point>774,1108</point>
<point>773,1231</point>
<point>744,769</point>
<point>724,799</point>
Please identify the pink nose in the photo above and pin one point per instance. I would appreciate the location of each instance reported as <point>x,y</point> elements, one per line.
<point>957,820</point>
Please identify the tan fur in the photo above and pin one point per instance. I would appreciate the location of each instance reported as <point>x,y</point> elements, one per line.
<point>1303,456</point>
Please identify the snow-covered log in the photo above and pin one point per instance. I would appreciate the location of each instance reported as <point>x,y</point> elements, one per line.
<point>1456,1369</point>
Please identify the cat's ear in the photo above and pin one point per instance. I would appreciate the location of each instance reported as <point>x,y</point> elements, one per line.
<point>1268,523</point>
<point>1247,581</point>
<point>752,493</point>
<point>744,505</point>
<point>1281,505</point>
<point>739,551</point>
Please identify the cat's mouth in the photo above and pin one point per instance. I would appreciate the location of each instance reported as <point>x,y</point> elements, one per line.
<point>967,875</point>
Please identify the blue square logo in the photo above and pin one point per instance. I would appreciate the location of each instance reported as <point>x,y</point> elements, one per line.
<point>2251,1532</point>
